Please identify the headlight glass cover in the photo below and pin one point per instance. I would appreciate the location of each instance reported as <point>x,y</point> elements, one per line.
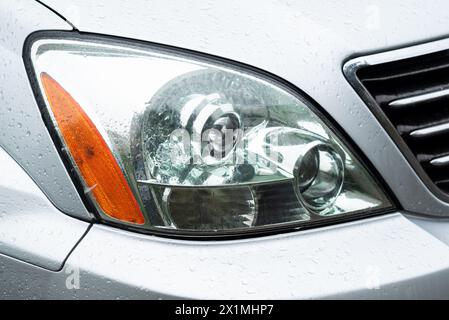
<point>175,142</point>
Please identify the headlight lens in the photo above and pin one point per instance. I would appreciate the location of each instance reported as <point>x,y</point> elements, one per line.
<point>168,141</point>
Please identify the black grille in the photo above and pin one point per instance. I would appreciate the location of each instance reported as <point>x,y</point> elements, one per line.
<point>413,95</point>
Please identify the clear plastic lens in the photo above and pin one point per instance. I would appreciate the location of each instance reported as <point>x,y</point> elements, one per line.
<point>208,147</point>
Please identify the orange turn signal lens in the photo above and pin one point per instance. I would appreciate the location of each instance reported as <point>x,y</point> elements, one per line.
<point>94,159</point>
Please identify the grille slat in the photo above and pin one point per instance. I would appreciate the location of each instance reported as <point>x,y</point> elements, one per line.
<point>440,161</point>
<point>426,97</point>
<point>413,94</point>
<point>430,131</point>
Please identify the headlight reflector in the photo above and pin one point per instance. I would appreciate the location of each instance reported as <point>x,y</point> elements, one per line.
<point>190,145</point>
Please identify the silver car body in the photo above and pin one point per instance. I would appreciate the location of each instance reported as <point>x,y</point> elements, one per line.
<point>49,248</point>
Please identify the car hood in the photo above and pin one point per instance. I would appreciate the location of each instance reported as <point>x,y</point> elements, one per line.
<point>261,30</point>
<point>266,33</point>
<point>304,42</point>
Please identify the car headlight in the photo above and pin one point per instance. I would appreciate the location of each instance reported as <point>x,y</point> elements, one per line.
<point>171,141</point>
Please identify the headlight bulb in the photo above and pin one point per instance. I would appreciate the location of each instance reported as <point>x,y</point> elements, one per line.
<point>313,163</point>
<point>223,136</point>
<point>318,177</point>
<point>213,125</point>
